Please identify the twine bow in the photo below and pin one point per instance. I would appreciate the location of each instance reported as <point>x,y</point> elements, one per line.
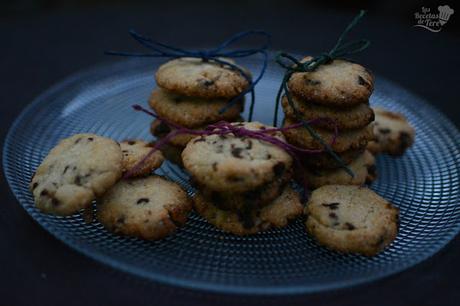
<point>292,65</point>
<point>215,55</point>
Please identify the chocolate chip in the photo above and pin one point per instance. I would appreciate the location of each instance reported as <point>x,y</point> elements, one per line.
<point>44,192</point>
<point>236,152</point>
<point>77,141</point>
<point>269,156</point>
<point>279,168</point>
<point>349,226</point>
<point>199,139</point>
<point>34,185</point>
<point>312,82</point>
<point>77,180</point>
<point>405,139</point>
<point>233,178</point>
<point>65,169</point>
<point>222,137</point>
<point>131,142</point>
<point>90,138</point>
<point>249,146</point>
<point>121,220</point>
<point>363,82</point>
<point>208,83</point>
<point>384,130</point>
<point>142,201</point>
<point>331,206</point>
<point>333,215</point>
<point>55,202</point>
<point>214,166</point>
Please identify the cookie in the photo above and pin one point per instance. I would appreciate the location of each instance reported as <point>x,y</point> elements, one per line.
<point>354,117</point>
<point>351,219</point>
<point>75,172</point>
<point>346,140</point>
<point>325,160</point>
<point>340,83</point>
<point>228,163</point>
<point>160,129</point>
<point>393,133</point>
<point>249,200</point>
<point>197,78</point>
<point>360,167</point>
<point>134,151</point>
<point>277,214</point>
<point>192,112</point>
<point>149,208</point>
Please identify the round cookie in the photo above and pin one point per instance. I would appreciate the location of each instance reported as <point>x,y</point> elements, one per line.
<point>339,83</point>
<point>277,214</point>
<point>353,117</point>
<point>325,160</point>
<point>346,140</point>
<point>228,163</point>
<point>149,208</point>
<point>351,219</point>
<point>134,151</point>
<point>75,172</point>
<point>249,200</point>
<point>197,78</point>
<point>393,133</point>
<point>190,111</point>
<point>360,167</point>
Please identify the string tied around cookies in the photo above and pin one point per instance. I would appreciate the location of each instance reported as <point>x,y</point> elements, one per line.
<point>216,55</point>
<point>292,65</point>
<point>236,129</point>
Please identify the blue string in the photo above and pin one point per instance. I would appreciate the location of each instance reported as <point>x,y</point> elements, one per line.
<point>159,49</point>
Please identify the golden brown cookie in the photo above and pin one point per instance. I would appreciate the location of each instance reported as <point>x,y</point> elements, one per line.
<point>346,140</point>
<point>339,83</point>
<point>75,172</point>
<point>351,219</point>
<point>393,133</point>
<point>354,117</point>
<point>360,167</point>
<point>134,151</point>
<point>276,214</point>
<point>229,163</point>
<point>196,78</point>
<point>149,208</point>
<point>192,112</point>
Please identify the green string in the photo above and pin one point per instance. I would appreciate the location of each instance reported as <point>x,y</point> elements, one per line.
<point>292,65</point>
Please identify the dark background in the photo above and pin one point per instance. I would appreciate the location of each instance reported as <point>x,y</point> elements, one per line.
<point>42,42</point>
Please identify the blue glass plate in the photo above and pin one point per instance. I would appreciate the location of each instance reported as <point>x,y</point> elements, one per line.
<point>424,184</point>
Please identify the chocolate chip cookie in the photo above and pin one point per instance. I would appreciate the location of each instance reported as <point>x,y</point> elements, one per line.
<point>393,133</point>
<point>354,117</point>
<point>75,172</point>
<point>276,214</point>
<point>190,111</point>
<point>148,208</point>
<point>134,151</point>
<point>198,78</point>
<point>346,140</point>
<point>229,163</point>
<point>351,219</point>
<point>340,83</point>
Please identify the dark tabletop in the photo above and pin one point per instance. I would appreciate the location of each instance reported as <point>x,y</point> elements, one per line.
<point>39,48</point>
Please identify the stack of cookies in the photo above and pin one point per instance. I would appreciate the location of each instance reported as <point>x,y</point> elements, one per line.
<point>191,93</point>
<point>242,182</point>
<point>87,167</point>
<point>340,92</point>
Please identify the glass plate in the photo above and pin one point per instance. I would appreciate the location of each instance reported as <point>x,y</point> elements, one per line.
<point>424,184</point>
